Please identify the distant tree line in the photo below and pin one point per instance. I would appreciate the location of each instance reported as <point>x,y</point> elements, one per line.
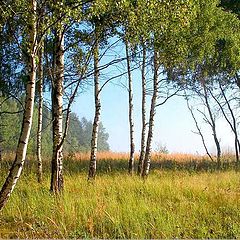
<point>78,139</point>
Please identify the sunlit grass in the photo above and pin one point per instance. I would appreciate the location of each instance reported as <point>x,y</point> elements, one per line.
<point>172,203</point>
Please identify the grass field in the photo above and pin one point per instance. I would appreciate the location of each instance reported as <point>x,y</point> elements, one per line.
<point>185,196</point>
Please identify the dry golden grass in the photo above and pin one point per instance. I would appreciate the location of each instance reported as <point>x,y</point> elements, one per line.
<point>183,197</point>
<point>118,162</point>
<point>155,156</point>
<point>102,156</point>
<point>113,161</point>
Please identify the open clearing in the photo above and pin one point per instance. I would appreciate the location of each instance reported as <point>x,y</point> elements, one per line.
<point>180,199</point>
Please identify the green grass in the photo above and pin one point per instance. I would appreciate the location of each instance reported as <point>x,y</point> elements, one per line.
<point>169,204</point>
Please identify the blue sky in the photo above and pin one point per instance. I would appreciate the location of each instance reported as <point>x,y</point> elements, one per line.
<point>173,122</point>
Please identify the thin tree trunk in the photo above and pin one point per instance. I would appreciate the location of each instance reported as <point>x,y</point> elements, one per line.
<point>213,125</point>
<point>17,166</point>
<point>96,121</point>
<point>1,92</point>
<point>147,159</point>
<point>199,131</point>
<point>1,63</point>
<point>233,124</point>
<point>1,140</point>
<point>130,109</point>
<point>237,144</point>
<point>57,115</point>
<point>40,114</point>
<point>144,124</point>
<point>1,136</point>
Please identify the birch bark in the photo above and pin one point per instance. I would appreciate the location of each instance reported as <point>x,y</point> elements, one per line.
<point>144,124</point>
<point>57,114</point>
<point>96,121</point>
<point>40,114</point>
<point>130,114</point>
<point>147,158</point>
<point>17,166</point>
<point>1,140</point>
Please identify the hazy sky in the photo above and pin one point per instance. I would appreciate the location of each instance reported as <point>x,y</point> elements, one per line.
<point>173,122</point>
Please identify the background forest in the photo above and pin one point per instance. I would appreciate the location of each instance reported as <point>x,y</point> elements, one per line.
<point>78,139</point>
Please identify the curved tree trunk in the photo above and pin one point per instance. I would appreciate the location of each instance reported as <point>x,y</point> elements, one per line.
<point>147,159</point>
<point>17,166</point>
<point>143,137</point>
<point>213,125</point>
<point>96,121</point>
<point>199,129</point>
<point>40,114</point>
<point>234,124</point>
<point>131,124</point>
<point>57,115</point>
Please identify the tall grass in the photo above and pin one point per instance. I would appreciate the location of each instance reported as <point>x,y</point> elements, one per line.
<point>171,203</point>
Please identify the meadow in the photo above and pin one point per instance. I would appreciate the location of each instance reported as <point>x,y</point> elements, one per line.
<point>185,196</point>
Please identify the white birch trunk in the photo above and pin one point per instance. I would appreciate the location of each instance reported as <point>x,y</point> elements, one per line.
<point>57,115</point>
<point>143,137</point>
<point>40,114</point>
<point>147,158</point>
<point>130,114</point>
<point>1,94</point>
<point>1,143</point>
<point>96,121</point>
<point>1,137</point>
<point>16,169</point>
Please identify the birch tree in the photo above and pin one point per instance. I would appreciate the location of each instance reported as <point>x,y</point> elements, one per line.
<point>104,22</point>
<point>199,131</point>
<point>17,166</point>
<point>64,15</point>
<point>130,112</point>
<point>232,125</point>
<point>231,120</point>
<point>168,49</point>
<point>96,121</point>
<point>57,113</point>
<point>1,139</point>
<point>40,113</point>
<point>40,99</point>
<point>212,122</point>
<point>144,122</point>
<point>147,158</point>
